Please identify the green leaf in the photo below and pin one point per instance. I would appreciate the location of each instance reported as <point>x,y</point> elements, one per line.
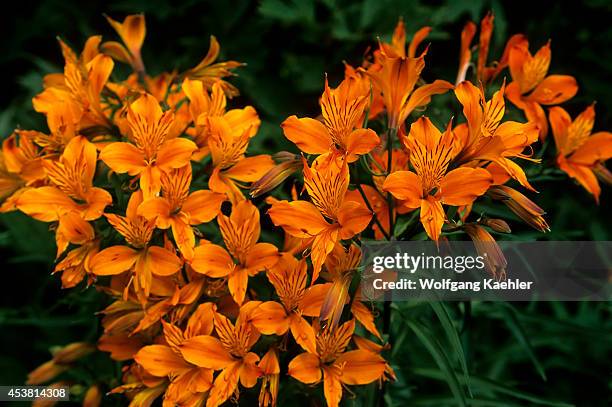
<point>453,338</point>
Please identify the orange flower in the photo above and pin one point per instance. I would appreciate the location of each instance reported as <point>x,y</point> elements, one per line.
<point>202,106</point>
<point>244,256</point>
<point>580,153</point>
<point>209,72</point>
<point>341,132</point>
<point>484,138</point>
<point>178,209</point>
<point>431,186</point>
<point>335,365</point>
<point>20,166</point>
<point>531,88</point>
<point>152,153</point>
<point>71,189</point>
<point>230,353</point>
<point>289,279</point>
<point>396,76</point>
<point>327,186</point>
<point>73,98</point>
<point>132,32</point>
<point>228,142</point>
<point>141,258</point>
<point>189,383</point>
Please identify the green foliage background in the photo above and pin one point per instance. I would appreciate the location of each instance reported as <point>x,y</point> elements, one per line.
<point>519,354</point>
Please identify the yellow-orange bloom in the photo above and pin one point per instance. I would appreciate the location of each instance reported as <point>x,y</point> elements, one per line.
<point>71,189</point>
<point>580,153</point>
<point>341,131</point>
<point>396,76</point>
<point>189,383</point>
<point>289,279</point>
<point>485,139</point>
<point>531,87</point>
<point>432,185</point>
<point>327,185</point>
<point>178,209</point>
<point>203,105</point>
<point>229,353</point>
<point>232,170</point>
<point>141,258</point>
<point>244,256</point>
<point>335,365</point>
<point>152,152</point>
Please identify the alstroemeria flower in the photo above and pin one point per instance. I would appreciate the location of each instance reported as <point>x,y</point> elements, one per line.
<point>531,87</point>
<point>232,170</point>
<point>244,257</point>
<point>581,154</point>
<point>486,139</point>
<point>152,152</point>
<point>203,105</point>
<point>432,185</point>
<point>229,353</point>
<point>140,257</point>
<point>341,131</point>
<point>179,209</point>
<point>396,76</point>
<point>335,365</point>
<point>329,218</point>
<point>289,279</point>
<point>189,383</point>
<point>71,186</point>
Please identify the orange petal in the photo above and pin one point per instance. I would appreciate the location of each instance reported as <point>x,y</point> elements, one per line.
<point>249,372</point>
<point>160,361</point>
<point>45,203</point>
<point>212,260</point>
<point>175,153</point>
<point>184,237</point>
<point>237,284</point>
<point>157,209</point>
<point>353,218</point>
<point>123,157</point>
<point>306,368</point>
<point>309,135</point>
<point>262,256</point>
<point>463,185</point>
<point>113,260</point>
<point>432,217</point>
<point>250,169</point>
<point>332,387</point>
<point>422,96</point>
<point>298,218</point>
<point>322,245</point>
<point>270,318</point>
<point>312,299</point>
<point>361,367</point>
<point>202,206</point>
<point>303,333</point>
<point>150,181</point>
<point>406,186</point>
<point>361,141</point>
<point>162,262</point>
<point>598,147</point>
<point>554,89</point>
<point>206,351</point>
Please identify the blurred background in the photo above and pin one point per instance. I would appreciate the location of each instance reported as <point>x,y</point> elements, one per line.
<point>536,352</point>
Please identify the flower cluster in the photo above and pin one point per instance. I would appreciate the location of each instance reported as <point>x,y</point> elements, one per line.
<point>130,170</point>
